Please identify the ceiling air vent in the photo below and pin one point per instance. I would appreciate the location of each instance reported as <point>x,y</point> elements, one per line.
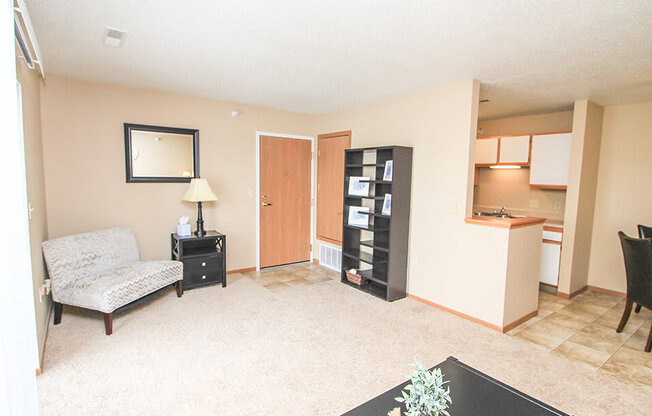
<point>113,37</point>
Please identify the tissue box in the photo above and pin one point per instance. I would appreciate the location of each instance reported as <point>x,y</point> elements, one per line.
<point>183,230</point>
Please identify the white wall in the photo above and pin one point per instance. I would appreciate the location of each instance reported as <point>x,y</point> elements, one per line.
<point>18,341</point>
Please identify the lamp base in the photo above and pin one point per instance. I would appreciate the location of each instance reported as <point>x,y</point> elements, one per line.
<point>200,222</point>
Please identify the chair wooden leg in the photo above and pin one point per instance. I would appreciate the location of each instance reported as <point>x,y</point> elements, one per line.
<point>638,308</point>
<point>648,346</point>
<point>179,287</point>
<point>58,308</point>
<point>108,323</point>
<point>626,313</point>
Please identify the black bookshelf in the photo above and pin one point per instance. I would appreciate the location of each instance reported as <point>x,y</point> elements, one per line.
<point>380,249</point>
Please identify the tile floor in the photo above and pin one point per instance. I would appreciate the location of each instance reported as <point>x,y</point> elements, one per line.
<point>296,275</point>
<point>583,329</point>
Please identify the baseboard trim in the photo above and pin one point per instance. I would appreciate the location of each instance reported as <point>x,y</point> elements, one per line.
<point>246,270</point>
<point>454,312</point>
<point>607,291</point>
<point>573,294</point>
<point>519,321</point>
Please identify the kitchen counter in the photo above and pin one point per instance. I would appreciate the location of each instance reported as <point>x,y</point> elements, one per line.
<point>508,254</point>
<point>508,223</point>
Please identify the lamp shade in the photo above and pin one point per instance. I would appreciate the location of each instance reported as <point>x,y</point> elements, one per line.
<point>199,191</point>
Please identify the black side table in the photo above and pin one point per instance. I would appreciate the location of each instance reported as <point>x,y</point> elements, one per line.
<point>203,258</point>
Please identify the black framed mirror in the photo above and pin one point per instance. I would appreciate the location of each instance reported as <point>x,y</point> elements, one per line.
<point>161,154</point>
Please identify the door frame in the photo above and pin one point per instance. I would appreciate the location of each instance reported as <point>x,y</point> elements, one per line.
<point>312,185</point>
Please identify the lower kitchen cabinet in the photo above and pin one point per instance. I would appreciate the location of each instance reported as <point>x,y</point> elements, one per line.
<point>550,254</point>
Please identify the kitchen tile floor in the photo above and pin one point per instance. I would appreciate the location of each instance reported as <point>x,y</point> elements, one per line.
<point>292,276</point>
<point>583,329</point>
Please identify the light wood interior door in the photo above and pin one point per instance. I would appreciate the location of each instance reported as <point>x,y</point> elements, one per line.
<point>330,182</point>
<point>285,200</point>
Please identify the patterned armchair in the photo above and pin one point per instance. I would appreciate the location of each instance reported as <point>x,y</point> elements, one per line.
<point>101,270</point>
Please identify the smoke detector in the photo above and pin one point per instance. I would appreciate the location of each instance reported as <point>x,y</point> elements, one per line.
<point>113,37</point>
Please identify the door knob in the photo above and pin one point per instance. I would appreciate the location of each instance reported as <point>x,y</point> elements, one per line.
<point>265,204</point>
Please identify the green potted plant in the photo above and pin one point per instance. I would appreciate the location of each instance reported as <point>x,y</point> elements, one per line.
<point>425,395</point>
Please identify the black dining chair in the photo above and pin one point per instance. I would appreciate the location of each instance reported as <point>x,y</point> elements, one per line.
<point>638,269</point>
<point>643,232</point>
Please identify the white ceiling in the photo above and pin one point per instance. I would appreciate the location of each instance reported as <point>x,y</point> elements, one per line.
<point>317,56</point>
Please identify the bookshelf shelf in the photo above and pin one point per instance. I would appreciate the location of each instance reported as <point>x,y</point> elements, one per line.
<point>383,243</point>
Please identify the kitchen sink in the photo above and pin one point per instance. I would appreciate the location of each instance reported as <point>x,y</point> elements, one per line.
<point>493,214</point>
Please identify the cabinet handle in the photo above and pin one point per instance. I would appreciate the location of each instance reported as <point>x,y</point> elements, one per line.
<point>203,264</point>
<point>203,277</point>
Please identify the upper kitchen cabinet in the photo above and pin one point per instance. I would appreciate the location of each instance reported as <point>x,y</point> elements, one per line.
<point>509,150</point>
<point>514,150</point>
<point>550,160</point>
<point>486,151</point>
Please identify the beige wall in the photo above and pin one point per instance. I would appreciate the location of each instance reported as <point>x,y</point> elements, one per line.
<point>522,283</point>
<point>623,197</point>
<point>532,124</point>
<point>457,265</point>
<point>83,147</point>
<point>30,82</point>
<point>580,196</point>
<point>512,187</point>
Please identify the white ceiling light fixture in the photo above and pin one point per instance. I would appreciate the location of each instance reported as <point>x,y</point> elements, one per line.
<point>235,113</point>
<point>113,37</point>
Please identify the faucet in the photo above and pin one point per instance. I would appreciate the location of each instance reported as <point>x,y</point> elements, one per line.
<point>502,211</point>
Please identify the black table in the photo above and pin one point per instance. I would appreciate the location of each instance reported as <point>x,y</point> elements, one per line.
<point>203,258</point>
<point>472,392</point>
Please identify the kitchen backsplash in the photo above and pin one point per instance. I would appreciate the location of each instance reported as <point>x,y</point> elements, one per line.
<point>511,188</point>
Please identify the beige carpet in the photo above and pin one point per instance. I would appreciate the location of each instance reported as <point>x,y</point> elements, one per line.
<point>312,350</point>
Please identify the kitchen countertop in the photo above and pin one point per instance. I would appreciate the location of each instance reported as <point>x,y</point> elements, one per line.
<point>508,223</point>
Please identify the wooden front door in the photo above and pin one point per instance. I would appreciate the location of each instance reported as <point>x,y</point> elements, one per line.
<point>330,182</point>
<point>284,200</point>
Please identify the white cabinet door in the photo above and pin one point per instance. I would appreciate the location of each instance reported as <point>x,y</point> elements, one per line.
<point>486,151</point>
<point>549,272</point>
<point>550,159</point>
<point>514,149</point>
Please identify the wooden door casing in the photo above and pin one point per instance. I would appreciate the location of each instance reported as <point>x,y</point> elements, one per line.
<point>285,180</point>
<point>330,177</point>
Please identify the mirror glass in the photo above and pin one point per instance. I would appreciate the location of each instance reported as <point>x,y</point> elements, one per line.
<point>160,154</point>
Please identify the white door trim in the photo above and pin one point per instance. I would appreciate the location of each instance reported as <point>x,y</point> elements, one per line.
<point>257,196</point>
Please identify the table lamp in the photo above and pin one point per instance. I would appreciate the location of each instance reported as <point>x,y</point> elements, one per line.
<point>199,191</point>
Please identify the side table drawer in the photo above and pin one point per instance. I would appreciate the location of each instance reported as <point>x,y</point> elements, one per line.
<point>201,271</point>
<point>203,264</point>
